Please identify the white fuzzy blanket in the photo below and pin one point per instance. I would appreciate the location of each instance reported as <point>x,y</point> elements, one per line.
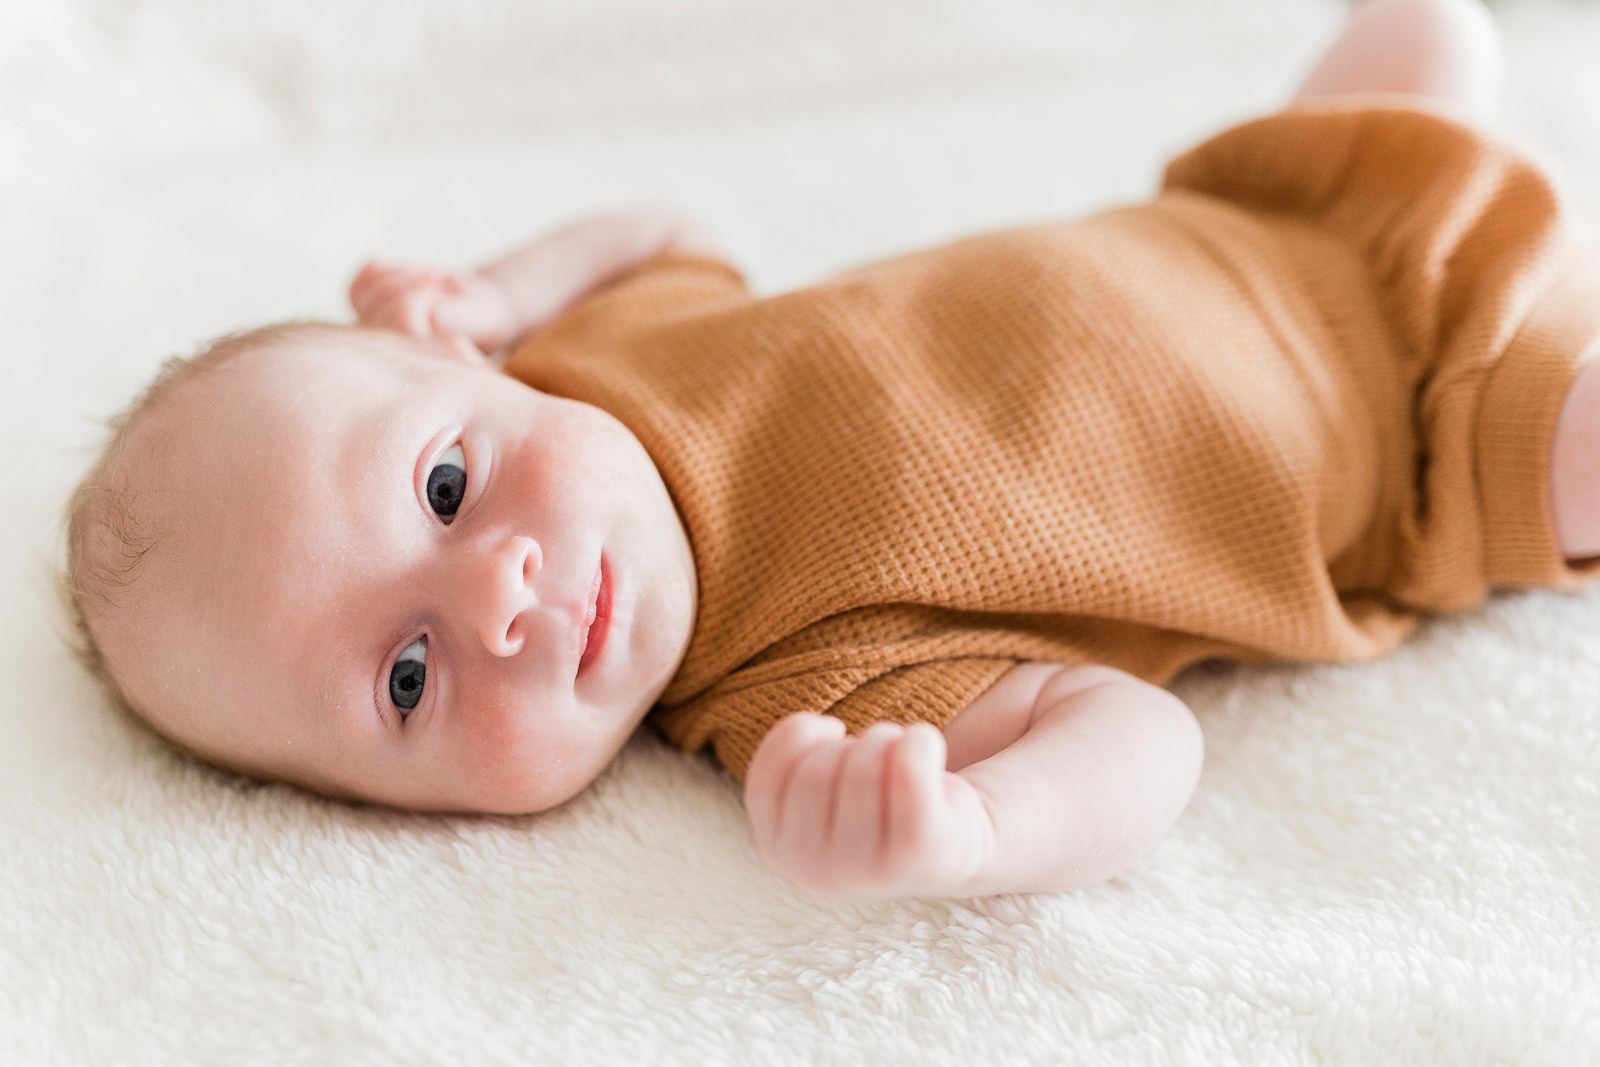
<point>1396,864</point>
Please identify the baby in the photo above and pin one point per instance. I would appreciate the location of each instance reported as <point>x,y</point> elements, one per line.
<point>912,552</point>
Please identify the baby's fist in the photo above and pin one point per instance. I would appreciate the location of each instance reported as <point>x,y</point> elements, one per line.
<point>424,302</point>
<point>875,815</point>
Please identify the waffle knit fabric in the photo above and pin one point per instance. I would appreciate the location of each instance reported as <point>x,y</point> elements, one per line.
<point>1301,399</point>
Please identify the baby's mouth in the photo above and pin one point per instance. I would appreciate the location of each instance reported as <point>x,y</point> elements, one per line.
<point>597,619</point>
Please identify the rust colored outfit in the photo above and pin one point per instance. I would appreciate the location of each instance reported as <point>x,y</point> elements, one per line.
<point>1302,398</point>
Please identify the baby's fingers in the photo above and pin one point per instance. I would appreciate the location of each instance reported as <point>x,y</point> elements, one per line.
<point>860,814</point>
<point>771,770</point>
<point>916,789</point>
<point>805,818</point>
<point>365,283</point>
<point>380,286</point>
<point>408,312</point>
<point>375,281</point>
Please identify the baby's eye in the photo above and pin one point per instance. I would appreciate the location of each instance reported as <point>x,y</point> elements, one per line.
<point>447,483</point>
<point>408,674</point>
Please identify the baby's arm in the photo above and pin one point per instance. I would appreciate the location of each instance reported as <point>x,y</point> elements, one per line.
<point>1446,50</point>
<point>1073,772</point>
<point>526,288</point>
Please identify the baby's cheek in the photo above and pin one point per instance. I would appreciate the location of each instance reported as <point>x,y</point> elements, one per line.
<point>500,733</point>
<point>520,763</point>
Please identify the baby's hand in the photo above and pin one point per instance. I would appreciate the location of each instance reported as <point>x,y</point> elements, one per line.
<point>875,815</point>
<point>432,303</point>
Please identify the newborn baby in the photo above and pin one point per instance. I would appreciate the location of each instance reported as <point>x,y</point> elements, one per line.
<point>911,552</point>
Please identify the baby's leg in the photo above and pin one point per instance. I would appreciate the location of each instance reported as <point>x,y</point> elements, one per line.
<point>1575,466</point>
<point>1446,50</point>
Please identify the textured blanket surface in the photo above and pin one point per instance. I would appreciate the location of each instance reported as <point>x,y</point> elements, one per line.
<point>1395,863</point>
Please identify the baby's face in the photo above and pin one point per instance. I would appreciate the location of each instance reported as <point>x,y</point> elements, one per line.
<point>409,577</point>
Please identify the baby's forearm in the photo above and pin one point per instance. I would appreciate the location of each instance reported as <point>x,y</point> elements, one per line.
<point>1099,776</point>
<point>542,277</point>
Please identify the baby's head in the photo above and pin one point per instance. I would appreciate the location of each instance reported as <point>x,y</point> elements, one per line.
<point>368,564</point>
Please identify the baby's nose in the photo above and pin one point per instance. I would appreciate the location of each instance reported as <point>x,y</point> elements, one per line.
<point>503,593</point>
